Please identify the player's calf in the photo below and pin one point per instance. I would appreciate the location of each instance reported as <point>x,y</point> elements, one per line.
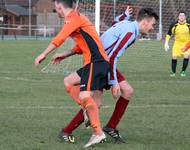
<point>71,86</point>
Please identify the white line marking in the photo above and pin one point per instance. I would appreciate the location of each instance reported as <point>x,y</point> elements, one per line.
<point>144,81</point>
<point>103,107</point>
<point>17,79</point>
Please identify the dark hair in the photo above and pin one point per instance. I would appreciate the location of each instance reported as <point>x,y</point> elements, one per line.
<point>182,12</point>
<point>147,13</point>
<point>66,3</point>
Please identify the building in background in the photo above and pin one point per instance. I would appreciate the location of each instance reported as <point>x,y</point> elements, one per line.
<point>16,15</point>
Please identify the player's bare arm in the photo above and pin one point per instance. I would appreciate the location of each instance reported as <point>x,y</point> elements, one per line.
<point>44,54</point>
<point>57,58</point>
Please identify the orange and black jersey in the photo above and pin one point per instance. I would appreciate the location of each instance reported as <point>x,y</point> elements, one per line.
<point>83,32</point>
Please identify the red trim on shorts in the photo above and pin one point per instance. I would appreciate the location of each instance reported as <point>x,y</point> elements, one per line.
<point>90,78</point>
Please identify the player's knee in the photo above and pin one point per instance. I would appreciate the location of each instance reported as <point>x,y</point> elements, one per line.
<point>186,56</point>
<point>86,99</point>
<point>67,84</point>
<point>127,92</point>
<point>174,57</point>
<point>87,102</point>
<point>131,91</point>
<point>98,102</point>
<point>84,95</point>
<point>98,97</point>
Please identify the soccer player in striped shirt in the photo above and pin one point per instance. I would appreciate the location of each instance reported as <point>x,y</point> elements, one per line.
<point>116,40</point>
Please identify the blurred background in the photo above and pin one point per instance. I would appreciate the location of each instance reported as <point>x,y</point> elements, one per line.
<point>37,18</point>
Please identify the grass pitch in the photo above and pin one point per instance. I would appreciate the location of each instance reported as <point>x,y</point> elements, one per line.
<point>34,105</point>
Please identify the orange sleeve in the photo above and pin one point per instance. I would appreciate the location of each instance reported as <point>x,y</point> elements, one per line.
<point>71,24</point>
<point>77,49</point>
<point>187,45</point>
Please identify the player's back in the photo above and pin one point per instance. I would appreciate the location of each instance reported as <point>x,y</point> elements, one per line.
<point>124,31</point>
<point>89,41</point>
<point>83,32</point>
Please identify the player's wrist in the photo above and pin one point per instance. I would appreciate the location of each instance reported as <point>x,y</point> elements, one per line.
<point>44,55</point>
<point>166,42</point>
<point>112,82</point>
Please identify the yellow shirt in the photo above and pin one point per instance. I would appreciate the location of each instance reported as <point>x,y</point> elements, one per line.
<point>181,32</point>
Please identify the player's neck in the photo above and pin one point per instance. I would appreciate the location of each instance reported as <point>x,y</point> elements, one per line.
<point>67,11</point>
<point>141,26</point>
<point>181,22</point>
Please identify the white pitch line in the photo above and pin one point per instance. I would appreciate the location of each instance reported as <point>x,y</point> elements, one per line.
<point>164,81</point>
<point>103,107</point>
<point>144,81</point>
<point>17,79</point>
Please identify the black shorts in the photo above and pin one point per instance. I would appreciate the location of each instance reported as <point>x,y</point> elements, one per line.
<point>94,76</point>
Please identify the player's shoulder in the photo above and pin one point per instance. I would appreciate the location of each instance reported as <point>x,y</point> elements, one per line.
<point>73,15</point>
<point>76,17</point>
<point>175,23</point>
<point>126,23</point>
<point>129,26</point>
<point>132,25</point>
<point>188,22</point>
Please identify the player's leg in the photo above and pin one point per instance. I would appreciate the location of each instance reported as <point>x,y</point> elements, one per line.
<point>173,66</point>
<point>94,78</point>
<point>96,84</point>
<point>98,98</point>
<point>91,108</point>
<point>121,104</point>
<point>66,132</point>
<point>88,103</point>
<point>71,83</point>
<point>175,53</point>
<point>185,64</point>
<point>78,119</point>
<point>120,107</point>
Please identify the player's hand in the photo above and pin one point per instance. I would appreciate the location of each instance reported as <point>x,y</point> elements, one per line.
<point>129,11</point>
<point>57,58</point>
<point>166,46</point>
<point>116,92</point>
<point>39,59</point>
<point>184,49</point>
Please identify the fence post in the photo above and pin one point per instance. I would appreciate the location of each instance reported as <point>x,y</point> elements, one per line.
<point>160,21</point>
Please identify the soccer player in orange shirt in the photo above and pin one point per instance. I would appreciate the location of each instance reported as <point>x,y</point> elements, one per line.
<point>96,65</point>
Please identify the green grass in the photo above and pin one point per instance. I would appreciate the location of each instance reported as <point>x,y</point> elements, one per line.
<point>34,106</point>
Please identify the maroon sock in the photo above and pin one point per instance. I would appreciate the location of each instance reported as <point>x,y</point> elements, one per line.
<point>120,108</point>
<point>75,122</point>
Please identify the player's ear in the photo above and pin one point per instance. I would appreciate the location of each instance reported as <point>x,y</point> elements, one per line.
<point>57,5</point>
